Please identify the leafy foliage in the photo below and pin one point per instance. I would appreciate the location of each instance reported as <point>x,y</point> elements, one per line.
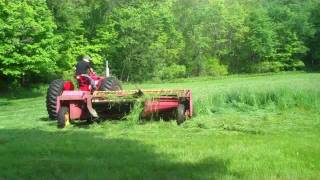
<point>172,71</point>
<point>158,39</point>
<point>28,43</point>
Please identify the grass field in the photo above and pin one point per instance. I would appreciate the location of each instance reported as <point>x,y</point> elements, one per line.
<point>246,127</point>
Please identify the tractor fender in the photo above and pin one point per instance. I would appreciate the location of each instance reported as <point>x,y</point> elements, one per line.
<point>68,86</point>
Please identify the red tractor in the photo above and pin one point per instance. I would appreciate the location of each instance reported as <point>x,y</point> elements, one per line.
<point>108,100</point>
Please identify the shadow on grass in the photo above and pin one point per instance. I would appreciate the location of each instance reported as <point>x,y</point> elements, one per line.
<point>4,103</point>
<point>45,119</point>
<point>35,154</point>
<point>83,124</point>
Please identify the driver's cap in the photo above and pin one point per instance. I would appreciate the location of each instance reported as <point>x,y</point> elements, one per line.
<point>86,58</point>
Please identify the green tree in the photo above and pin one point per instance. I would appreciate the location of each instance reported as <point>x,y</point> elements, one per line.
<point>28,45</point>
<point>293,28</point>
<point>205,33</point>
<point>145,39</point>
<point>142,39</point>
<point>313,57</point>
<point>260,40</point>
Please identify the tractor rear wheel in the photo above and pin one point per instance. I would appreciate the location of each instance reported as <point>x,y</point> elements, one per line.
<point>55,89</point>
<point>181,116</point>
<point>63,117</point>
<point>110,84</point>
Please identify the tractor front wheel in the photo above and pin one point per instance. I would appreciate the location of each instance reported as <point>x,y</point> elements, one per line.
<point>63,117</point>
<point>181,114</point>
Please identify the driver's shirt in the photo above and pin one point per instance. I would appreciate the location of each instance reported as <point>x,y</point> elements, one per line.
<point>82,67</point>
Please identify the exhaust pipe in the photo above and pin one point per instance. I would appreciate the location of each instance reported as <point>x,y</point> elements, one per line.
<point>107,69</point>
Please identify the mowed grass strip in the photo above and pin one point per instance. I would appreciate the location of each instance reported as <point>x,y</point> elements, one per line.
<point>246,127</point>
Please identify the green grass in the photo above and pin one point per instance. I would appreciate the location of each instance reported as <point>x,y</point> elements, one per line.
<point>246,127</point>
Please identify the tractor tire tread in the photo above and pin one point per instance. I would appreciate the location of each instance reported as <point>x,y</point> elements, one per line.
<point>181,117</point>
<point>110,84</point>
<point>55,89</point>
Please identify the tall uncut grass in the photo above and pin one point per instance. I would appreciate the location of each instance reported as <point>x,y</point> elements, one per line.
<point>246,99</point>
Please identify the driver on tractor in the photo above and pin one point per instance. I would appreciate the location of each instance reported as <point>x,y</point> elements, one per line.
<point>84,69</point>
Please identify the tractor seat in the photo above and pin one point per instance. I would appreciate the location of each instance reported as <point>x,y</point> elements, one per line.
<point>84,83</point>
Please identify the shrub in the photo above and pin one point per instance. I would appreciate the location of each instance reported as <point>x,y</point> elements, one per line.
<point>266,66</point>
<point>213,67</point>
<point>298,65</point>
<point>172,71</point>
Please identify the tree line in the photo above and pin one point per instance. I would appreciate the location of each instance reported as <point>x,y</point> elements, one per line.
<point>157,39</point>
